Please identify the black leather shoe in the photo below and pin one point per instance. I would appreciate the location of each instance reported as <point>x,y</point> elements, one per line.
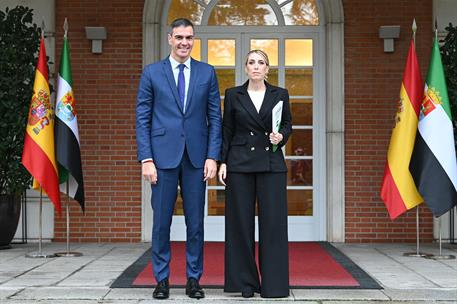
<point>193,289</point>
<point>247,294</point>
<point>162,290</point>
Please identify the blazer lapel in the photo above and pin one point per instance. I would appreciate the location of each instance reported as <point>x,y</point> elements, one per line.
<point>269,102</point>
<point>248,105</point>
<point>171,81</point>
<point>192,82</point>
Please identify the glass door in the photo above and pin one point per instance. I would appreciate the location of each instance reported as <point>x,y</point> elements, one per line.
<point>292,66</point>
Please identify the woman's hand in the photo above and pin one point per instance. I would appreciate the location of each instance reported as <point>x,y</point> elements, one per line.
<point>222,174</point>
<point>275,138</point>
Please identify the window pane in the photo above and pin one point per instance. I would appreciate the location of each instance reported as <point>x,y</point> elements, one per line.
<point>300,140</point>
<point>226,79</point>
<point>185,9</point>
<point>221,52</point>
<point>299,82</point>
<point>196,50</point>
<point>299,52</point>
<point>216,202</point>
<point>242,12</point>
<point>300,202</point>
<point>301,12</point>
<point>269,46</point>
<point>273,77</point>
<point>300,172</point>
<point>302,111</point>
<point>178,205</point>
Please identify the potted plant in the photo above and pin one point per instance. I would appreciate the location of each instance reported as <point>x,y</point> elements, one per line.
<point>19,42</point>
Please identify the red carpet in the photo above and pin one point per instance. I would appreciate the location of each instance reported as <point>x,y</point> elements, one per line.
<point>311,264</point>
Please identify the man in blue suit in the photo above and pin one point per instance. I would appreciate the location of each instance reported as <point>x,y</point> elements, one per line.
<point>178,131</point>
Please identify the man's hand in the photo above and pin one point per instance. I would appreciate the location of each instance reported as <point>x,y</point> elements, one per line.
<point>222,173</point>
<point>210,169</point>
<point>149,172</point>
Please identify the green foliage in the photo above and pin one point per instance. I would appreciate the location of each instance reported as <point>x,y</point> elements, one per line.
<point>449,56</point>
<point>19,43</point>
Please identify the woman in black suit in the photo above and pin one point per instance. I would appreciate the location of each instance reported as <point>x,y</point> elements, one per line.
<point>252,173</point>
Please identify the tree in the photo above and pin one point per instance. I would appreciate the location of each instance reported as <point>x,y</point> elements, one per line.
<point>19,42</point>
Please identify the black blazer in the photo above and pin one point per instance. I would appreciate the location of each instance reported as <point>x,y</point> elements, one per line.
<point>246,145</point>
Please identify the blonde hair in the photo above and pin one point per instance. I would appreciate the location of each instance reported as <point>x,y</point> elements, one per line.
<point>258,52</point>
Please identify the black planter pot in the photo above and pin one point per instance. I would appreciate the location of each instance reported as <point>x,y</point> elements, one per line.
<point>10,210</point>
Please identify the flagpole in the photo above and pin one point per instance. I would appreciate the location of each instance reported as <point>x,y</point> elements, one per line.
<point>440,256</point>
<point>40,253</point>
<point>68,253</point>
<point>417,253</point>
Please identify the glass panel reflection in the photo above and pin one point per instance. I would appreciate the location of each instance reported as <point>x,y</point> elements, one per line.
<point>178,205</point>
<point>300,202</point>
<point>300,143</point>
<point>273,77</point>
<point>300,172</point>
<point>242,12</point>
<point>185,9</point>
<point>269,46</point>
<point>299,52</point>
<point>226,79</point>
<point>302,111</point>
<point>299,82</point>
<point>221,52</point>
<point>301,12</point>
<point>216,202</point>
<point>196,50</point>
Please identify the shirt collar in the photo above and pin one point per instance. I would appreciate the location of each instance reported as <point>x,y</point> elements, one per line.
<point>174,63</point>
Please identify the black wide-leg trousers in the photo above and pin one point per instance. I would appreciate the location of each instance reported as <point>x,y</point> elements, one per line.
<point>242,192</point>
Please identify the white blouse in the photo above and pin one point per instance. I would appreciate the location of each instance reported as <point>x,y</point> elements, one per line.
<point>257,98</point>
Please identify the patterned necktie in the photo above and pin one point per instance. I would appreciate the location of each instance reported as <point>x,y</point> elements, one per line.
<point>181,84</point>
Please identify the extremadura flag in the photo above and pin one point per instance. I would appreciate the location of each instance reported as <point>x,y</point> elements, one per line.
<point>66,130</point>
<point>433,163</point>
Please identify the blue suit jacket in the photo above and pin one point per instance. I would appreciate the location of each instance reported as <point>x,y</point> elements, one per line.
<point>163,130</point>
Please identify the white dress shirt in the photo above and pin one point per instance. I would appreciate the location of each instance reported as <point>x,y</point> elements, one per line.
<point>175,68</point>
<point>257,98</point>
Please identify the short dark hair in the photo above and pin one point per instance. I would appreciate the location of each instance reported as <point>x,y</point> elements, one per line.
<point>180,22</point>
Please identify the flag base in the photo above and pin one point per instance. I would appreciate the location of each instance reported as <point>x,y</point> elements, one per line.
<point>39,254</point>
<point>68,254</point>
<point>416,254</point>
<point>441,257</point>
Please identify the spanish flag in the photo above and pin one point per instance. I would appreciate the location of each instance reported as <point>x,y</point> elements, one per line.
<point>398,190</point>
<point>38,156</point>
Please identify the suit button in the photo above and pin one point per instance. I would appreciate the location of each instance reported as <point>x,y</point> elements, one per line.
<point>252,148</point>
<point>266,133</point>
<point>252,134</point>
<point>267,148</point>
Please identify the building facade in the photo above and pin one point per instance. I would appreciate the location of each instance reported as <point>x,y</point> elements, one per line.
<point>344,89</point>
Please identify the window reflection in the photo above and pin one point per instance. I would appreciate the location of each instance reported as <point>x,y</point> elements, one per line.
<point>299,52</point>
<point>196,50</point>
<point>300,139</point>
<point>301,12</point>
<point>299,82</point>
<point>216,202</point>
<point>300,202</point>
<point>185,9</point>
<point>269,46</point>
<point>226,79</point>
<point>221,52</point>
<point>299,171</point>
<point>242,12</point>
<point>302,110</point>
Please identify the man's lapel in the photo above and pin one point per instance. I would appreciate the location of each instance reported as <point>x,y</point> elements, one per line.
<point>192,82</point>
<point>166,65</point>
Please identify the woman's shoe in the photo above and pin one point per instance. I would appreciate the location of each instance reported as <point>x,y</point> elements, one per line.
<point>247,294</point>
